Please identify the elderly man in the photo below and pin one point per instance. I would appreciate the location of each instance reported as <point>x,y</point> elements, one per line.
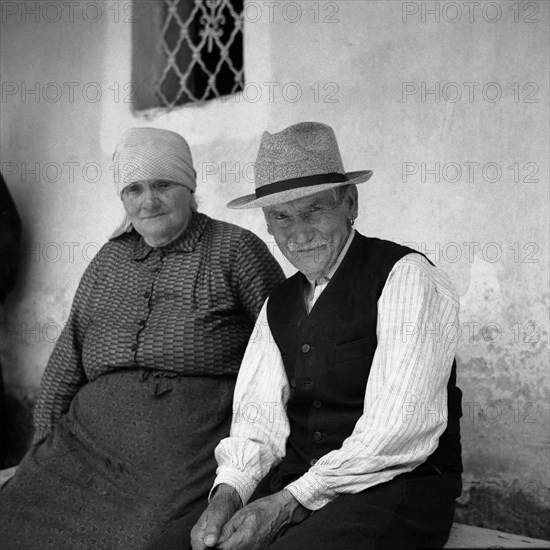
<point>345,431</point>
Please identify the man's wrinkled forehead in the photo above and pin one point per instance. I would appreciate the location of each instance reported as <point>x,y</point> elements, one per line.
<point>300,205</point>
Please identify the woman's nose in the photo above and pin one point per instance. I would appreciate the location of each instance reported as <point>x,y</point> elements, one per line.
<point>149,197</point>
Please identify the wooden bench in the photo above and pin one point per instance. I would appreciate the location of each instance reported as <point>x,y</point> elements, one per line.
<point>462,536</point>
<point>467,536</point>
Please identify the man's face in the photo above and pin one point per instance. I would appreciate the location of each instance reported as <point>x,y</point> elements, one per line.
<point>311,232</point>
<point>159,210</point>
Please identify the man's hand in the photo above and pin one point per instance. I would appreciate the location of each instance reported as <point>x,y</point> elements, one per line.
<point>261,522</point>
<point>223,504</point>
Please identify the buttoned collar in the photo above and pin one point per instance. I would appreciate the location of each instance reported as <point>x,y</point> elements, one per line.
<point>186,242</point>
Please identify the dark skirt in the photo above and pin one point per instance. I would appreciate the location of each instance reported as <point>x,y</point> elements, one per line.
<point>134,452</point>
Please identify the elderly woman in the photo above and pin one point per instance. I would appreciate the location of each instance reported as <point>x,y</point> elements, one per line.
<point>138,390</point>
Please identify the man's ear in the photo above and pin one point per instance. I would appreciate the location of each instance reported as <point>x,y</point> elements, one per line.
<point>352,202</point>
<point>354,210</point>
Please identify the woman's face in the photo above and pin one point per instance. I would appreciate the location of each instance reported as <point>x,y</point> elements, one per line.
<point>159,210</point>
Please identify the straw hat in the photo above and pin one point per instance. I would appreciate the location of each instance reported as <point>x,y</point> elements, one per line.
<point>299,161</point>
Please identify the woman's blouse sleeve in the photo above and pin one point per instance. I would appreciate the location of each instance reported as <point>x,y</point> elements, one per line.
<point>64,373</point>
<point>258,273</point>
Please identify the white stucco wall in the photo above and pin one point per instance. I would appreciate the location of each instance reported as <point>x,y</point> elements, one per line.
<point>362,71</point>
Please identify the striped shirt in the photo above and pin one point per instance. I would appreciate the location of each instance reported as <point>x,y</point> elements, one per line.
<point>405,405</point>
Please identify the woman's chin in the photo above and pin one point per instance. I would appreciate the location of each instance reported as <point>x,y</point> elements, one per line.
<point>156,242</point>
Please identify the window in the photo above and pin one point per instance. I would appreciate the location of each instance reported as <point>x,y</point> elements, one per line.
<point>197,51</point>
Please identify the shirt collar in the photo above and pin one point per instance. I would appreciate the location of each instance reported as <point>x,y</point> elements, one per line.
<point>336,265</point>
<point>186,242</point>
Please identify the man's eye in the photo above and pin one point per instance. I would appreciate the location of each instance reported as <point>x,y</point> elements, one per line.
<point>164,184</point>
<point>281,217</point>
<point>315,211</point>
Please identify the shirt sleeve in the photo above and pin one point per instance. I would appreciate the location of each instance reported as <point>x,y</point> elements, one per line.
<point>405,407</point>
<point>258,273</point>
<point>260,427</point>
<point>64,373</point>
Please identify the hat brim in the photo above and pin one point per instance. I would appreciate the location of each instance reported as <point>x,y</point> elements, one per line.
<point>250,201</point>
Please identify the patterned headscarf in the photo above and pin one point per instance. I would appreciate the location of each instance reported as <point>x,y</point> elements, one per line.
<point>151,154</point>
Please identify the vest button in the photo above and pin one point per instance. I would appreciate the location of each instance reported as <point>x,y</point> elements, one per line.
<point>134,347</point>
<point>313,461</point>
<point>317,436</point>
<point>317,404</point>
<point>146,294</point>
<point>306,348</point>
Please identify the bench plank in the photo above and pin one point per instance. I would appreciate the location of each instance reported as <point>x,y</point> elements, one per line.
<point>467,536</point>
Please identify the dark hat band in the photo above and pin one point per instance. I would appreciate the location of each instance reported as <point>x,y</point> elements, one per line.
<point>295,183</point>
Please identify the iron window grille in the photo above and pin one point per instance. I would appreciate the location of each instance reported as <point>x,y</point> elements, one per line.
<point>198,54</point>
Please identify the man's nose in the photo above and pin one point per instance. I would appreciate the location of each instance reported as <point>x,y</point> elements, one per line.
<point>302,232</point>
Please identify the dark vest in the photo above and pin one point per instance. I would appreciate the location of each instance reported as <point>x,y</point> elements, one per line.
<point>328,355</point>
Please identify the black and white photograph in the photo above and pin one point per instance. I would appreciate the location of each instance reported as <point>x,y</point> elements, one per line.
<point>275,274</point>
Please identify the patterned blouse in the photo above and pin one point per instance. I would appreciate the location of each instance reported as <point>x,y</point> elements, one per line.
<point>187,308</point>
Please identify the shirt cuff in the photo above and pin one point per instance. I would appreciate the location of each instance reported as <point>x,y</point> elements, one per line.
<point>310,492</point>
<point>237,479</point>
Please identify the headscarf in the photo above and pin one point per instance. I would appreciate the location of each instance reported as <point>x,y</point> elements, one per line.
<point>151,154</point>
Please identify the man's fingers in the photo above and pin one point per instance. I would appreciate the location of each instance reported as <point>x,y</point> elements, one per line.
<point>236,540</point>
<point>224,537</point>
<point>206,532</point>
<point>215,522</point>
<point>228,529</point>
<point>197,533</point>
<point>237,534</point>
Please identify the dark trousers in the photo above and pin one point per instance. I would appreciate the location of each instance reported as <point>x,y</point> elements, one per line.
<point>411,511</point>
